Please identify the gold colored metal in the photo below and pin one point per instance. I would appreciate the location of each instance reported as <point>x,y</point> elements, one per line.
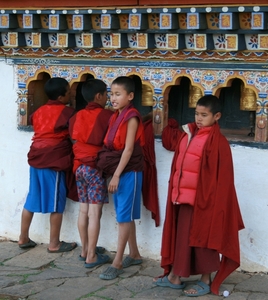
<point>194,96</point>
<point>248,99</point>
<point>147,96</point>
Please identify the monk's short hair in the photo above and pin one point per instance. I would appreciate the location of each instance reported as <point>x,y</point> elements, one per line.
<point>127,83</point>
<point>211,102</point>
<point>92,87</point>
<point>56,87</point>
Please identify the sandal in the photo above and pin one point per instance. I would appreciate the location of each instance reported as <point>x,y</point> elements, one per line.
<point>201,289</point>
<point>30,244</point>
<point>129,261</point>
<point>101,259</point>
<point>111,273</point>
<point>164,282</point>
<point>99,250</point>
<point>64,247</point>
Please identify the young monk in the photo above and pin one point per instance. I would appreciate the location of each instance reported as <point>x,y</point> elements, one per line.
<point>87,129</point>
<point>50,160</point>
<point>202,215</point>
<point>122,159</point>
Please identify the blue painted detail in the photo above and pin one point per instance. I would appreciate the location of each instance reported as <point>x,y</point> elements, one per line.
<point>208,92</point>
<point>262,95</point>
<point>158,91</point>
<point>21,85</point>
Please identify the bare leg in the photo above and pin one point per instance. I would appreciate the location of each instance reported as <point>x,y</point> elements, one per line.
<point>55,226</point>
<point>83,227</point>
<point>132,242</point>
<point>94,216</point>
<point>123,236</point>
<point>26,220</point>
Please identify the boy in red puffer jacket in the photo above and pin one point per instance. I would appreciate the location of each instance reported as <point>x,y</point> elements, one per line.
<point>202,215</point>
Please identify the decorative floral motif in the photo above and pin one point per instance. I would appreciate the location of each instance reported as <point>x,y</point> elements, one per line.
<point>214,20</point>
<point>154,21</point>
<point>189,40</point>
<point>160,40</point>
<point>45,21</point>
<point>183,21</point>
<point>252,42</point>
<point>96,21</point>
<point>29,40</point>
<point>132,40</point>
<point>106,40</point>
<point>124,21</point>
<point>219,41</point>
<point>53,39</point>
<point>245,21</point>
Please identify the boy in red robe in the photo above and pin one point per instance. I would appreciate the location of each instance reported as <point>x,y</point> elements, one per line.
<point>202,214</point>
<point>122,159</point>
<point>87,129</point>
<point>50,159</point>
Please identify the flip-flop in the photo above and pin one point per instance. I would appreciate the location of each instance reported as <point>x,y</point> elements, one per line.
<point>201,289</point>
<point>64,247</point>
<point>164,282</point>
<point>99,250</point>
<point>30,244</point>
<point>129,261</point>
<point>111,273</point>
<point>101,259</point>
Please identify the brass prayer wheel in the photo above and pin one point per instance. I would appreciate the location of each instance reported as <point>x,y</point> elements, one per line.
<point>147,96</point>
<point>194,96</point>
<point>247,99</point>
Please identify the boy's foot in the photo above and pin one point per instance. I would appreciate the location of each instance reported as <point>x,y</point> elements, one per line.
<point>64,247</point>
<point>101,259</point>
<point>199,289</point>
<point>111,273</point>
<point>30,244</point>
<point>129,261</point>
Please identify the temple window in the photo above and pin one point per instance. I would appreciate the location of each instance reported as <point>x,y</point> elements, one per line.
<point>36,93</point>
<point>143,96</point>
<point>238,108</point>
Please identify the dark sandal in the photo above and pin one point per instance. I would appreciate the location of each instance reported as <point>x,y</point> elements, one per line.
<point>101,259</point>
<point>30,244</point>
<point>64,247</point>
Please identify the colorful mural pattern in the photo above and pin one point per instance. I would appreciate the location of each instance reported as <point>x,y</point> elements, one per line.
<point>159,78</point>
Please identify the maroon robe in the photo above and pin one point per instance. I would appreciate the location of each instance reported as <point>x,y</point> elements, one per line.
<point>149,184</point>
<point>51,147</point>
<point>216,217</point>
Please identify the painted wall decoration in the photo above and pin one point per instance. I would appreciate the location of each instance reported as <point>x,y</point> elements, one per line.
<point>208,82</point>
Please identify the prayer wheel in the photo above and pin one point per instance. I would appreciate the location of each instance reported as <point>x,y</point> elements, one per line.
<point>147,96</point>
<point>248,99</point>
<point>194,96</point>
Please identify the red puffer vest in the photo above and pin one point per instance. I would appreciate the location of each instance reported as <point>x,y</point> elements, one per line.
<point>188,164</point>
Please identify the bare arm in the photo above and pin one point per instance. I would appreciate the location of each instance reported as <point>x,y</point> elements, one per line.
<point>132,128</point>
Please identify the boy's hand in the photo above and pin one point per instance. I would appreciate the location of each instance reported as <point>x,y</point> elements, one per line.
<point>113,185</point>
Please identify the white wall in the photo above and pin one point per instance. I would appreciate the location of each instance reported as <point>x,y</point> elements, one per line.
<point>251,172</point>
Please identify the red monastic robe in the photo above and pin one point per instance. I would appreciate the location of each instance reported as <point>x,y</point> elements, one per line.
<point>216,218</point>
<point>88,128</point>
<point>51,146</point>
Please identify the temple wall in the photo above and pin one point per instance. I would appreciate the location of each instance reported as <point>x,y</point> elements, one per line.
<point>251,170</point>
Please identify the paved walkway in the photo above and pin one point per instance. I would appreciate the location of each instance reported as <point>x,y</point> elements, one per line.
<point>37,274</point>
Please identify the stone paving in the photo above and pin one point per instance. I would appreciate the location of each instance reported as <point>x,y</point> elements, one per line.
<point>37,274</point>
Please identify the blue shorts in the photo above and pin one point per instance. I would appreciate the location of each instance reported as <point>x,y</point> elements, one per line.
<point>47,191</point>
<point>127,199</point>
<point>91,187</point>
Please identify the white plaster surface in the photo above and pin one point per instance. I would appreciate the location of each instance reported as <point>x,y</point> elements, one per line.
<point>251,173</point>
